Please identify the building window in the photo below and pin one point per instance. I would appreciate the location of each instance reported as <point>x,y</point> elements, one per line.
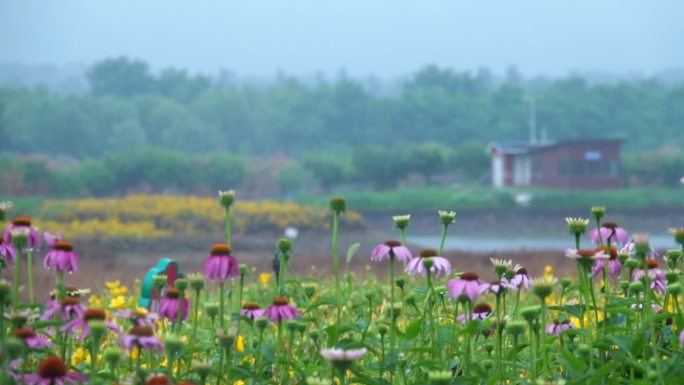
<point>613,168</point>
<point>594,167</point>
<point>563,168</point>
<point>577,167</point>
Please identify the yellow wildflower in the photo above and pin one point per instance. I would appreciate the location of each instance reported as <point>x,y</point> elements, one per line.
<point>79,356</point>
<point>112,285</point>
<point>95,301</point>
<point>118,302</point>
<point>240,344</point>
<point>239,382</point>
<point>548,273</point>
<point>264,278</point>
<point>119,291</point>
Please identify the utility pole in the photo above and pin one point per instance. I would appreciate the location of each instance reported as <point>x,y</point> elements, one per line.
<point>532,101</point>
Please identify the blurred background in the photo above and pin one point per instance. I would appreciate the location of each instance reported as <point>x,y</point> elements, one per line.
<point>120,121</point>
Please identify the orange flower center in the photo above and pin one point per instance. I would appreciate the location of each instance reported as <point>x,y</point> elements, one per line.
<point>251,306</point>
<point>280,301</point>
<point>470,276</point>
<point>220,249</point>
<point>94,314</point>
<point>64,246</point>
<point>392,243</point>
<point>141,331</point>
<point>52,367</point>
<point>427,253</point>
<point>22,221</point>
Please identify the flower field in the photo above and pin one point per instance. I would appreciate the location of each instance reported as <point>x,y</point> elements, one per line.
<point>430,320</point>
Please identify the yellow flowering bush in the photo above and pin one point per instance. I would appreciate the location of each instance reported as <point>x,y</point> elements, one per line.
<point>140,217</point>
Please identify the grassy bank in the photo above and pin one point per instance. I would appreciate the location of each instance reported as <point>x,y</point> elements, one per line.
<point>430,198</point>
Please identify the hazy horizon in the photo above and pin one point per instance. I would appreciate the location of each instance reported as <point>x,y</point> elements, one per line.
<point>384,39</point>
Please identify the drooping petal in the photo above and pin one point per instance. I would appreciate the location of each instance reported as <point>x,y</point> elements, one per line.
<point>380,252</point>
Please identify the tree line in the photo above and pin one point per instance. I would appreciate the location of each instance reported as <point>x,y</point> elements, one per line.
<point>134,127</point>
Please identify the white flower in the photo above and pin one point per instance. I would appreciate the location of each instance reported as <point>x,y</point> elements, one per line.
<point>337,355</point>
<point>447,217</point>
<point>507,263</point>
<point>6,205</point>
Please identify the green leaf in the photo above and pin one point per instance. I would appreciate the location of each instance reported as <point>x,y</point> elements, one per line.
<point>411,330</point>
<point>575,363</point>
<point>351,251</point>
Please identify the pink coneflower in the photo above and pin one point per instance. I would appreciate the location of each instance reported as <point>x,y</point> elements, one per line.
<point>83,322</point>
<point>614,265</point>
<point>252,310</point>
<point>138,318</point>
<point>68,307</point>
<point>7,254</point>
<point>480,311</point>
<point>169,305</point>
<point>220,265</point>
<point>281,310</point>
<point>391,249</point>
<point>557,327</point>
<point>656,275</point>
<point>23,224</point>
<point>142,337</point>
<point>440,265</point>
<point>585,254</point>
<point>496,287</point>
<point>611,234</point>
<point>32,339</point>
<point>467,286</point>
<point>53,371</point>
<point>520,279</point>
<point>61,256</point>
<point>681,335</point>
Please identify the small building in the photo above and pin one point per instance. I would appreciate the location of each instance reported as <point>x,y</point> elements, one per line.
<point>580,164</point>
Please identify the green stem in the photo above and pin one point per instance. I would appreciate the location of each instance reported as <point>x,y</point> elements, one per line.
<point>221,304</point>
<point>336,263</point>
<point>195,316</point>
<point>29,269</point>
<point>17,271</point>
<point>391,283</point>
<point>228,237</point>
<point>281,272</point>
<point>441,243</point>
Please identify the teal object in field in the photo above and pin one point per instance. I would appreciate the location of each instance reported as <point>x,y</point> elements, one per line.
<point>165,266</point>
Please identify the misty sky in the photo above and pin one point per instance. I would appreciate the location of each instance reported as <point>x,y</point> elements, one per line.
<point>382,37</point>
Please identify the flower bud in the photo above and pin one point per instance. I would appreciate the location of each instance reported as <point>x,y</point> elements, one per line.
<point>97,329</point>
<point>672,276</point>
<point>196,281</point>
<point>440,377</point>
<point>212,309</point>
<point>261,323</point>
<point>5,292</point>
<point>244,269</point>
<point>226,198</point>
<point>181,284</point>
<point>515,328</point>
<point>284,246</point>
<point>674,289</point>
<point>174,345</point>
<point>636,287</point>
<point>530,313</point>
<point>401,222</point>
<point>598,212</point>
<point>112,356</point>
<point>338,205</point>
<point>631,263</point>
<point>159,281</point>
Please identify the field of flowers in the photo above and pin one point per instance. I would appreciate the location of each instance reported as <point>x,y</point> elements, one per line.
<point>618,320</point>
<point>139,217</point>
